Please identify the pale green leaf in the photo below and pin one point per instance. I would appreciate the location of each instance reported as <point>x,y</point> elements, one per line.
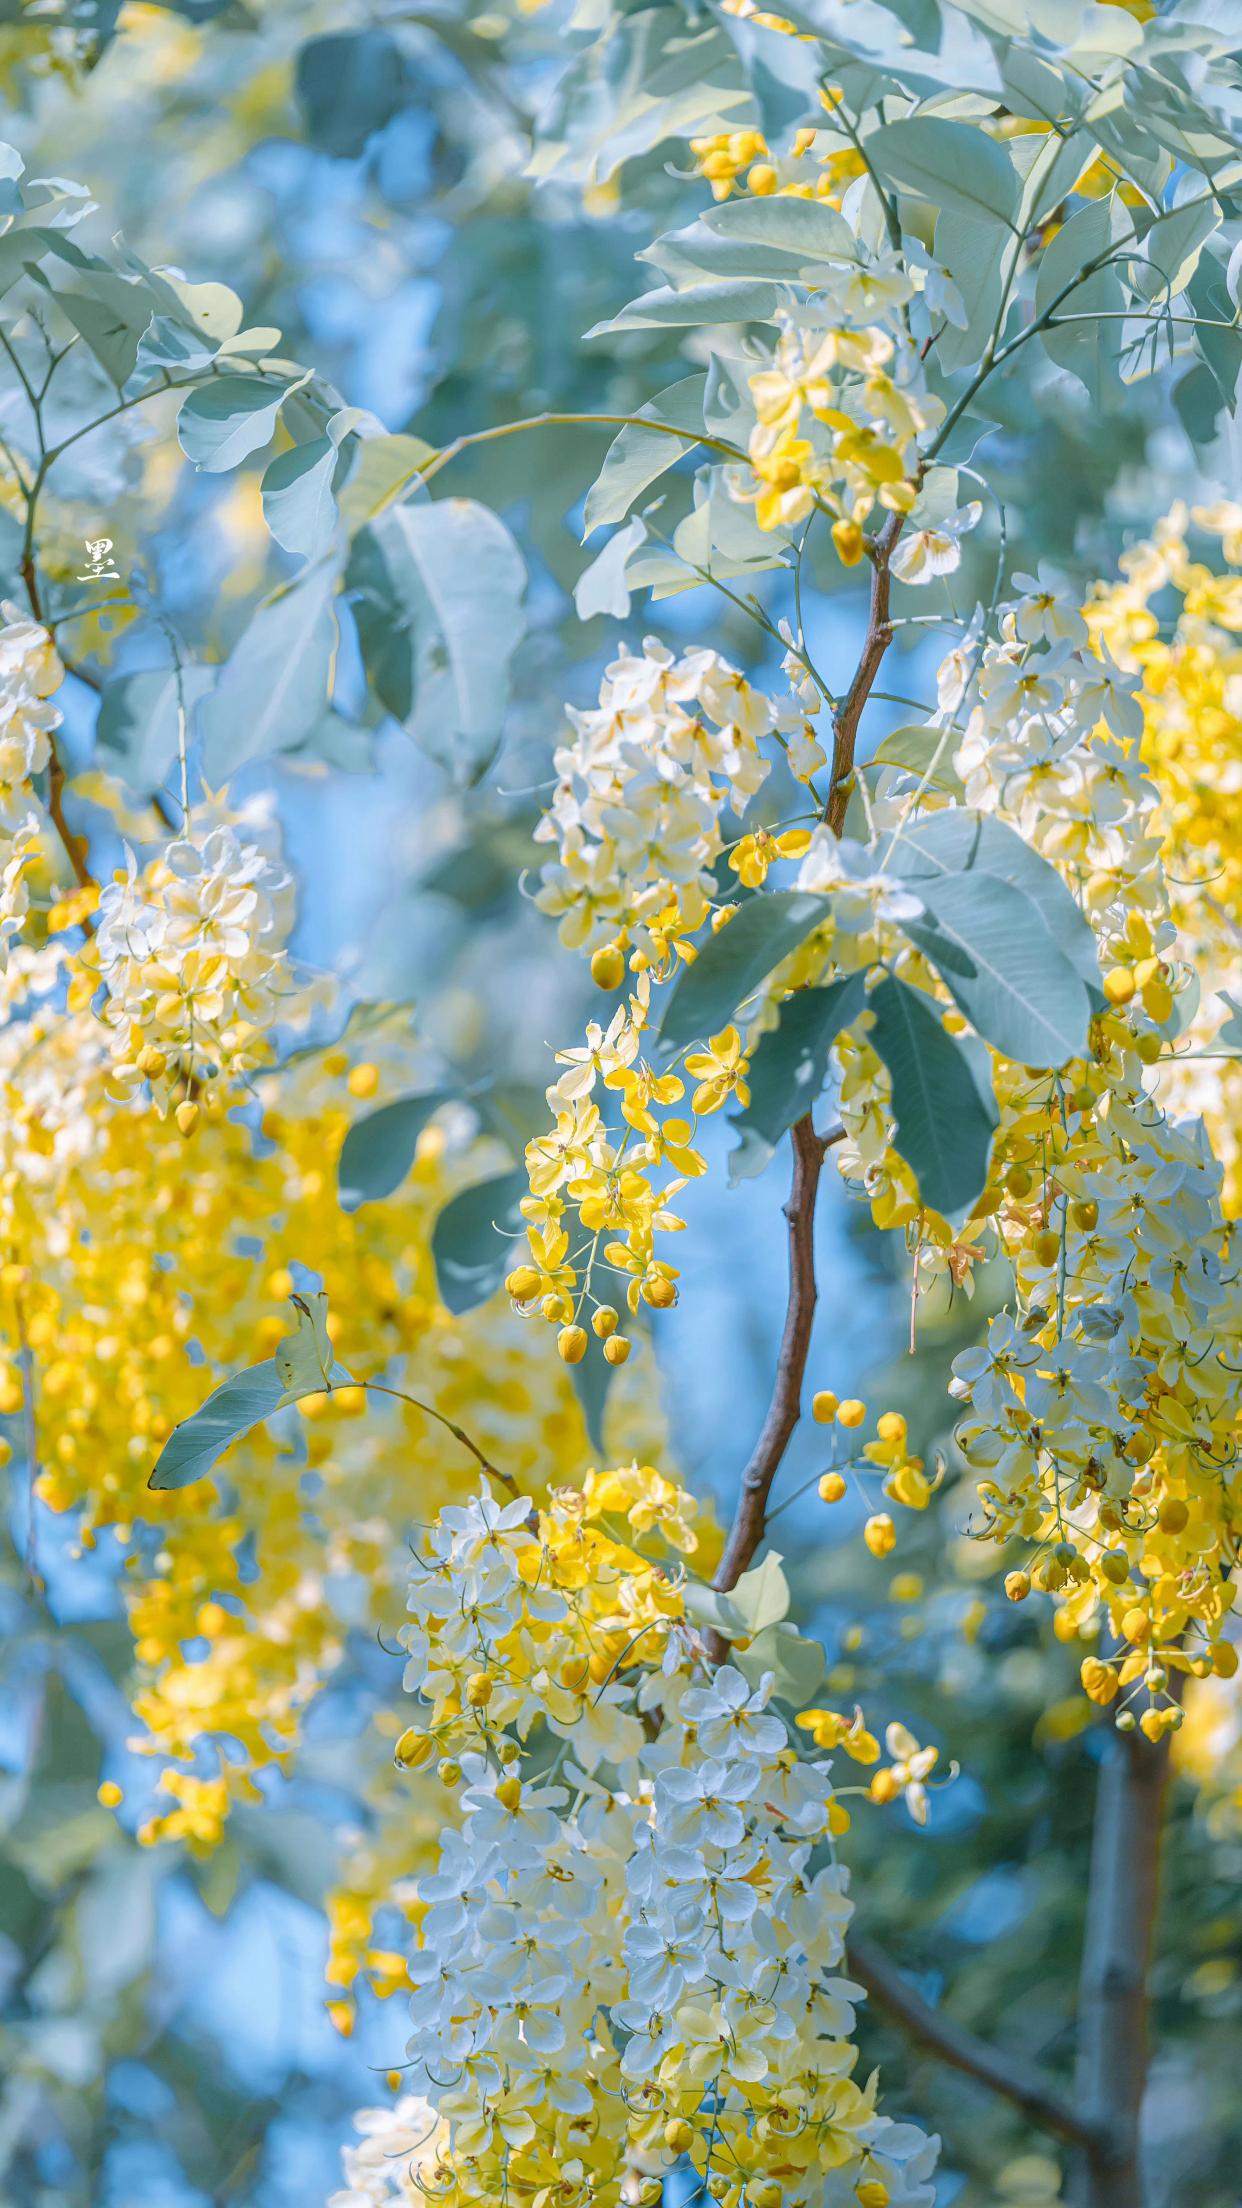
<point>762,1594</point>
<point>944,1119</point>
<point>378,1150</point>
<point>473,1238</point>
<point>227,419</point>
<point>637,457</point>
<point>734,961</point>
<point>277,681</point>
<point>298,505</point>
<point>949,164</point>
<point>788,1067</point>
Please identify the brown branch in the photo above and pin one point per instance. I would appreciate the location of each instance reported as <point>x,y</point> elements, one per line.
<point>876,642</point>
<point>746,1532</point>
<point>56,773</point>
<point>1016,2078</point>
<point>1122,1899</point>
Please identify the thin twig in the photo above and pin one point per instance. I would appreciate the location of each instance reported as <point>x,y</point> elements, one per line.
<point>1016,2078</point>
<point>876,642</point>
<point>746,1532</point>
<point>376,1387</point>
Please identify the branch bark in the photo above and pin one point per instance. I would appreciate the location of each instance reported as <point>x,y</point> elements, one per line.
<point>1015,2077</point>
<point>878,638</point>
<point>784,1410</point>
<point>1122,1899</point>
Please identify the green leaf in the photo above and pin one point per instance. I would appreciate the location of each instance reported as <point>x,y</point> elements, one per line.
<point>604,587</point>
<point>227,419</point>
<point>378,1151</point>
<point>472,1240</point>
<point>304,1361</point>
<point>988,943</point>
<point>701,306</point>
<point>229,1412</point>
<point>112,317</point>
<point>383,469</point>
<point>733,962</point>
<point>303,1365</point>
<point>950,164</point>
<point>944,1118</point>
<point>796,1663</point>
<point>762,1594</point>
<point>788,1067</point>
<point>592,1377</point>
<point>277,681</point>
<point>962,841</point>
<point>707,1606</point>
<point>349,84</point>
<point>455,579</point>
<point>1088,350</point>
<point>139,718</point>
<point>637,457</point>
<point>913,749</point>
<point>807,229</point>
<point>1170,251</point>
<point>298,505</point>
<point>966,245</point>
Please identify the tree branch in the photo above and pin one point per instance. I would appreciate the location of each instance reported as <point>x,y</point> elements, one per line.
<point>878,638</point>
<point>746,1532</point>
<point>1015,2078</point>
<point>1112,1990</point>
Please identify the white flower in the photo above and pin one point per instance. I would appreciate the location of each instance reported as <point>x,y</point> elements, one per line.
<point>922,554</point>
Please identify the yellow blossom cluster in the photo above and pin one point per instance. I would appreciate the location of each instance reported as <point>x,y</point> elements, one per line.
<point>122,1247</point>
<point>1191,696</point>
<point>624,1956</point>
<point>603,1178</point>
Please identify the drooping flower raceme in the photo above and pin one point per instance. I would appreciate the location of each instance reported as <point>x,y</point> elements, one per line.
<point>626,1953</point>
<point>191,953</point>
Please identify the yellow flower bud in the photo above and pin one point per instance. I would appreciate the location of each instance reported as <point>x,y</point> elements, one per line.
<point>872,2193</point>
<point>608,966</point>
<point>509,1793</point>
<point>363,1080</point>
<point>848,539</point>
<point>522,1283</point>
<point>187,1116</point>
<point>762,181</point>
<point>109,1794</point>
<point>824,1407</point>
<point>880,1534</point>
<point>1017,1586</point>
<point>678,2134</point>
<point>891,1426</point>
<point>571,1344</point>
<point>1224,1659</point>
<point>831,1487</point>
<point>1046,1246</point>
<point>1119,984</point>
<point>413,1749</point>
<point>1136,1625</point>
<point>616,1349</point>
<point>884,1787</point>
<point>1174,1516</point>
<point>605,1322</point>
<point>479,1689</point>
<point>448,1771</point>
<point>851,1412</point>
<point>1099,1680</point>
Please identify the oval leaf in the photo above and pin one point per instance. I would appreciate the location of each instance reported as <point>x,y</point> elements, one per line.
<point>944,1118</point>
<point>227,419</point>
<point>470,1240</point>
<point>761,933</point>
<point>378,1151</point>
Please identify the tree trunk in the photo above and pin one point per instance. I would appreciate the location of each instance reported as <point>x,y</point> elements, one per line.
<point>1112,1991</point>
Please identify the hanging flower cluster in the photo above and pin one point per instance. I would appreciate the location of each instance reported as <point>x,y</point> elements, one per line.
<point>191,953</point>
<point>640,792</point>
<point>625,1955</point>
<point>1191,698</point>
<point>29,673</point>
<point>841,405</point>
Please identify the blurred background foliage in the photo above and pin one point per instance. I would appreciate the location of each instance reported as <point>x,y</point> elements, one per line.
<point>362,175</point>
